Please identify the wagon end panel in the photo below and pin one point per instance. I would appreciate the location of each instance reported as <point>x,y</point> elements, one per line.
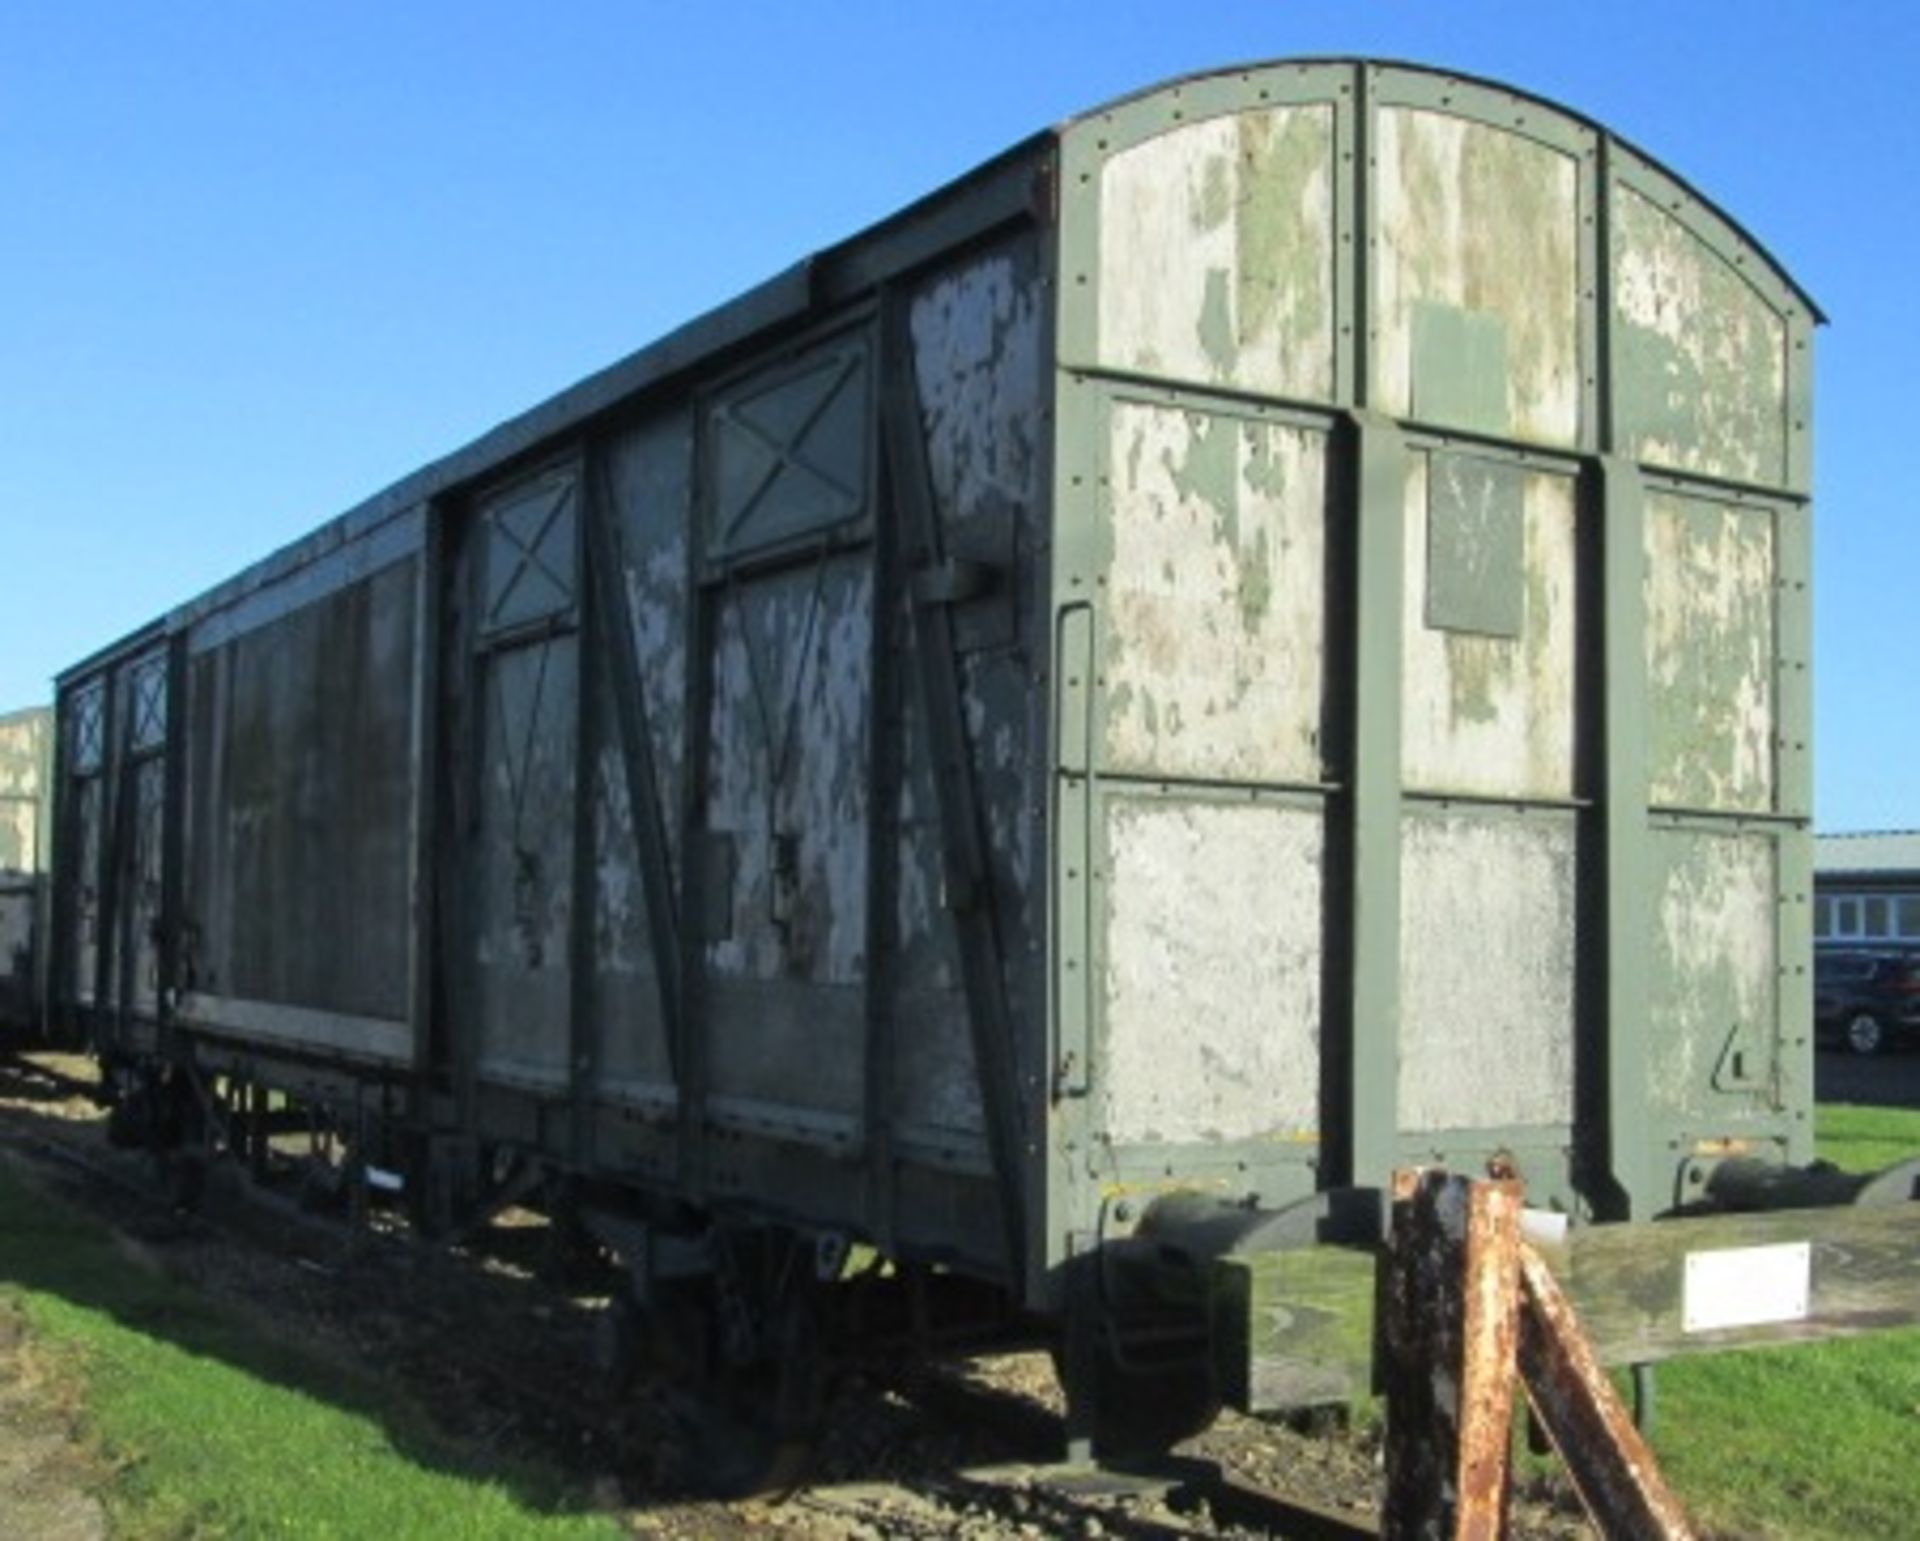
<point>1429,754</point>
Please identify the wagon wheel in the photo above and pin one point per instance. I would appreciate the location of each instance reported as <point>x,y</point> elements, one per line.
<point>161,1115</point>
<point>751,1429</point>
<point>1142,1409</point>
<point>742,1366</point>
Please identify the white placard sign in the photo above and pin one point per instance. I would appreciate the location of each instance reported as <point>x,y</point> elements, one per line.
<point>1747,1286</point>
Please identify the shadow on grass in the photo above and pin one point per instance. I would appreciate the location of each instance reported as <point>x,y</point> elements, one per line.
<point>50,1246</point>
<point>420,1338</point>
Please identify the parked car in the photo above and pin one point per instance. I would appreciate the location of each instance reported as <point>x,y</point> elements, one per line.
<point>1863,999</point>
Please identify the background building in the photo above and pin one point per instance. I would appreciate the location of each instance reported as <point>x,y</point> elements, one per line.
<point>1867,888</point>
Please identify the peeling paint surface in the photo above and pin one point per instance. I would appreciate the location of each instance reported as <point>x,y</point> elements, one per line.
<point>978,330</point>
<point>1487,972</point>
<point>977,334</point>
<point>787,793</point>
<point>144,892</point>
<point>1479,223</point>
<point>88,812</point>
<point>1214,653</point>
<point>650,476</point>
<point>25,791</point>
<point>1710,654</point>
<point>1212,972</point>
<point>787,783</point>
<point>785,805</point>
<point>1216,247</point>
<point>523,860</point>
<point>1701,357</point>
<point>1712,967</point>
<point>1493,715</point>
<point>24,748</point>
<point>632,1029</point>
<point>651,471</point>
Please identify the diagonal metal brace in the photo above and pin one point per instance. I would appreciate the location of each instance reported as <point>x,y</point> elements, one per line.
<point>1612,1467</point>
<point>966,867</point>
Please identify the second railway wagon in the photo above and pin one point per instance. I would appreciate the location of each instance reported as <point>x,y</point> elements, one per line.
<point>26,771</point>
<point>1256,640</point>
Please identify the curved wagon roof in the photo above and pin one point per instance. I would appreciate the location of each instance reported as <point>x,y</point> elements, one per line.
<point>1012,186</point>
<point>1247,79</point>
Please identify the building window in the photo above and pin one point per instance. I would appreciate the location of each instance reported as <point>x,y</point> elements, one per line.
<point>1823,916</point>
<point>1875,918</point>
<point>1907,910</point>
<point>1846,917</point>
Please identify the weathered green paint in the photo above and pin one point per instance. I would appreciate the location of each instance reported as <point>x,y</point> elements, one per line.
<point>1629,1188</point>
<point>26,757</point>
<point>1479,278</point>
<point>1492,627</point>
<point>26,797</point>
<point>1711,654</point>
<point>1214,920</point>
<point>789,449</point>
<point>1460,364</point>
<point>1712,974</point>
<point>1246,297</point>
<point>1476,548</point>
<point>1213,649</point>
<point>1476,277</point>
<point>1372,1114</point>
<point>1487,1026</point>
<point>1701,356</point>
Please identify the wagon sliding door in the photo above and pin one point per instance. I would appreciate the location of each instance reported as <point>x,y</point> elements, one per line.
<point>783,805</point>
<point>516,886</point>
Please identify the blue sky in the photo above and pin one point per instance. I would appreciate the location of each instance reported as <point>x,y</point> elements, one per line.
<point>258,260</point>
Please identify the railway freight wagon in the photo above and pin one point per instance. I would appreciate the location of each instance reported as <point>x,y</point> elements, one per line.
<point>1257,640</point>
<point>26,774</point>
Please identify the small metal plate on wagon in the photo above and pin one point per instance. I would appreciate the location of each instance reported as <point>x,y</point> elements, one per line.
<point>1747,1286</point>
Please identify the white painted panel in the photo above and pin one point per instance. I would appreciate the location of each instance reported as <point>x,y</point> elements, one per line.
<point>1701,367</point>
<point>1710,654</point>
<point>1214,654</point>
<point>1747,1286</point>
<point>1712,969</point>
<point>1212,965</point>
<point>1494,715</point>
<point>1487,972</point>
<point>1216,253</point>
<point>1482,223</point>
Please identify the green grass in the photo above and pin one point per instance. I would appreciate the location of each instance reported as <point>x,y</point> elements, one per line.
<point>1816,1442</point>
<point>1863,1139</point>
<point>212,1429</point>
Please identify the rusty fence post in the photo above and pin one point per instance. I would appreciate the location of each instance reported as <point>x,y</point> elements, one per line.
<point>1614,1471</point>
<point>1452,1319</point>
<point>1471,1314</point>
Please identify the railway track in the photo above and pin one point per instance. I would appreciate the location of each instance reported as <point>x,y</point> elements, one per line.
<point>955,1451</point>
